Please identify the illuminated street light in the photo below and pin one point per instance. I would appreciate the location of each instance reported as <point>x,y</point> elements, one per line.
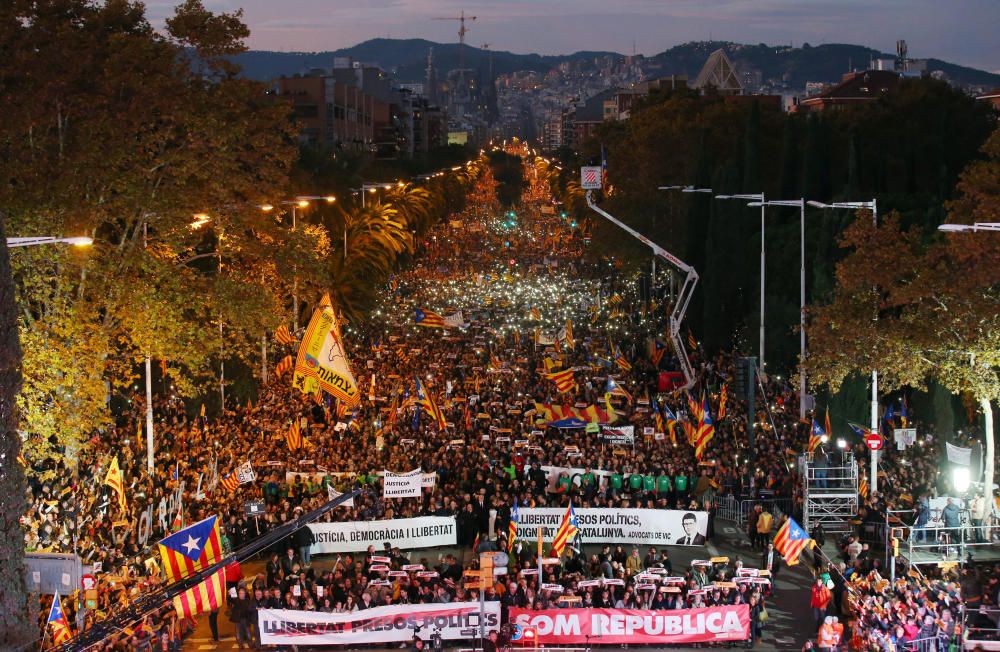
<point>78,241</point>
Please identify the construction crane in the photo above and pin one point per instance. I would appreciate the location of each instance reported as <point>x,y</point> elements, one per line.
<point>462,31</point>
<point>461,18</point>
<point>683,297</point>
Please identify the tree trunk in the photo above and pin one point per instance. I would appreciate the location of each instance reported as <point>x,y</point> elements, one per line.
<point>15,625</point>
<point>990,445</point>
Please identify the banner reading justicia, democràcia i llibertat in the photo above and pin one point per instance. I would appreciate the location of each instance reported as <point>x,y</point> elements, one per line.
<point>393,623</point>
<point>636,626</point>
<point>407,533</point>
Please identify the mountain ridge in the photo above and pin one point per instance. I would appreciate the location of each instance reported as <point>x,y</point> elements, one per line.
<point>406,59</point>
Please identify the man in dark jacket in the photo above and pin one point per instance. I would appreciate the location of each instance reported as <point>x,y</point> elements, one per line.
<point>302,539</point>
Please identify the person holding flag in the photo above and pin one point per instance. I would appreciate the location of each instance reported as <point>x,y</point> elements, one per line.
<point>61,632</point>
<point>114,480</point>
<point>568,530</point>
<point>512,528</point>
<point>817,436</point>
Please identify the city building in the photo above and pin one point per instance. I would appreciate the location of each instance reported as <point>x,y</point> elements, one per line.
<point>854,88</point>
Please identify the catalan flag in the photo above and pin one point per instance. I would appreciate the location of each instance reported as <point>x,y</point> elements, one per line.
<point>567,531</point>
<point>535,314</point>
<point>284,366</point>
<point>693,407</point>
<point>570,342</point>
<point>706,431</point>
<point>60,625</point>
<point>863,486</point>
<point>816,434</point>
<point>428,318</point>
<point>723,396</point>
<point>294,436</point>
<point>659,349</point>
<point>564,380</point>
<point>426,400</point>
<point>620,359</point>
<point>615,299</point>
<point>859,429</point>
<point>791,540</point>
<point>191,549</point>
<point>229,481</point>
<point>209,595</point>
<point>512,527</point>
<point>826,423</point>
<point>692,343</point>
<point>672,421</point>
<point>614,389</point>
<point>114,480</point>
<point>283,336</point>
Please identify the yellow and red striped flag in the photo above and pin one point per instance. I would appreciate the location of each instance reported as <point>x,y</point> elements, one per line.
<point>428,318</point>
<point>60,626</point>
<point>230,482</point>
<point>791,540</point>
<point>567,531</point>
<point>209,595</point>
<point>284,366</point>
<point>294,436</point>
<point>283,336</point>
<point>191,549</point>
<point>426,400</point>
<point>114,480</point>
<point>723,395</point>
<point>564,380</point>
<point>706,431</point>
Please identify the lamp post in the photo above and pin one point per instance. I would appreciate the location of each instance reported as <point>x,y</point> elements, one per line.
<point>757,197</point>
<point>970,228</point>
<point>79,241</point>
<point>983,402</point>
<point>295,204</point>
<point>801,203</point>
<point>873,207</point>
<point>687,189</point>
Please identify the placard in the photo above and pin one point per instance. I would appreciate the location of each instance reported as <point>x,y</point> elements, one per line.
<point>402,485</point>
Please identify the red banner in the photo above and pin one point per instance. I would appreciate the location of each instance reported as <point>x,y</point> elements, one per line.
<point>668,381</point>
<point>565,626</point>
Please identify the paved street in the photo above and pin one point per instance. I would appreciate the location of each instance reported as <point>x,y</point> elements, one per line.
<point>790,618</point>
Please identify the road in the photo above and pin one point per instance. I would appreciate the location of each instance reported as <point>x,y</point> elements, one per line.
<point>790,617</point>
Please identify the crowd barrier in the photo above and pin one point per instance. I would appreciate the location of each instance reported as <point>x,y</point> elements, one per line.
<point>731,508</point>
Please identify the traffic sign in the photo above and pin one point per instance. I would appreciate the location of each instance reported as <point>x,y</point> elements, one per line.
<point>590,177</point>
<point>873,441</point>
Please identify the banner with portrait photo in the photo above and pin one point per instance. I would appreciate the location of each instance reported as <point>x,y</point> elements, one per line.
<point>624,526</point>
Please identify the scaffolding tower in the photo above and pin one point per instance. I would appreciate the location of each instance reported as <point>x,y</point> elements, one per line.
<point>830,490</point>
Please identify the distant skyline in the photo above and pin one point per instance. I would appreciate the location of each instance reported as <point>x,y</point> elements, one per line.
<point>959,31</point>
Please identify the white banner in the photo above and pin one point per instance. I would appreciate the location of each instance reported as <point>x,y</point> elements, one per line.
<point>618,435</point>
<point>246,473</point>
<point>625,526</point>
<point>389,624</point>
<point>938,506</point>
<point>407,533</point>
<point>455,320</point>
<point>403,485</point>
<point>958,455</point>
<point>552,474</point>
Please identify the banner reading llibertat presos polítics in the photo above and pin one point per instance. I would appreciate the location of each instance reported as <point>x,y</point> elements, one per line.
<point>388,624</point>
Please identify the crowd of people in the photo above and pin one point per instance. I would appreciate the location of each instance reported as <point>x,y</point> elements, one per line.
<point>489,378</point>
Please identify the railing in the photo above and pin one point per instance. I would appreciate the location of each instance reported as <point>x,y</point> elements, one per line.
<point>980,624</point>
<point>737,510</point>
<point>948,542</point>
<point>930,644</point>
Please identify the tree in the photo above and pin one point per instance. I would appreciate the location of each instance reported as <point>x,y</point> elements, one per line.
<point>15,626</point>
<point>927,307</point>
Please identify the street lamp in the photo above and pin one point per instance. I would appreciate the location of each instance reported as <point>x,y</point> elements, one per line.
<point>801,203</point>
<point>757,197</point>
<point>77,241</point>
<point>970,228</point>
<point>873,207</point>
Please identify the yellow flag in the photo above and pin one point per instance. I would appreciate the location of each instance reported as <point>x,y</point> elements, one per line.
<point>612,415</point>
<point>202,409</point>
<point>322,362</point>
<point>114,480</point>
<point>138,435</point>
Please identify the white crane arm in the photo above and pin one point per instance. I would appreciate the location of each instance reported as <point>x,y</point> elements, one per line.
<point>683,297</point>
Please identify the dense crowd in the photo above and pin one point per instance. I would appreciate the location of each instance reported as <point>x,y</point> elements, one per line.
<point>488,379</point>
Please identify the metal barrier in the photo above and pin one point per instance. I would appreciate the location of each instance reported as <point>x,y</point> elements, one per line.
<point>737,510</point>
<point>931,644</point>
<point>981,625</point>
<point>946,542</point>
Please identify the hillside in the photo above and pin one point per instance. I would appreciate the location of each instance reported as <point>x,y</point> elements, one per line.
<point>407,60</point>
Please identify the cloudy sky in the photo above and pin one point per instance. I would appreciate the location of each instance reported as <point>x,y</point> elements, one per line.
<point>962,31</point>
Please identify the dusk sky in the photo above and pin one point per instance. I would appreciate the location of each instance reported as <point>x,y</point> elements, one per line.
<point>961,31</point>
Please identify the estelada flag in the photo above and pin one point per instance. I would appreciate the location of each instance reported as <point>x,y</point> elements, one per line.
<point>60,626</point>
<point>209,595</point>
<point>428,318</point>
<point>114,480</point>
<point>791,540</point>
<point>192,549</point>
